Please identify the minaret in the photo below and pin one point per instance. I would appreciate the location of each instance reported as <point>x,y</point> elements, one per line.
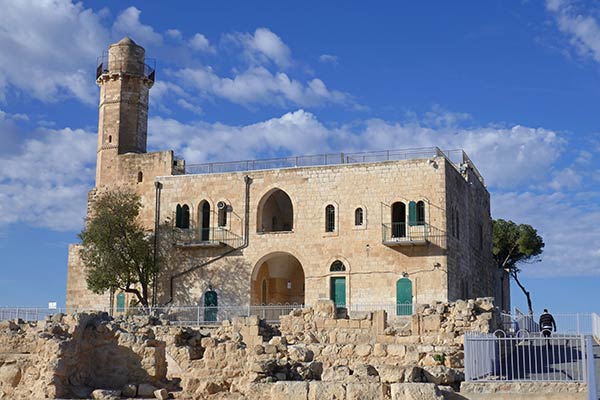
<point>125,81</point>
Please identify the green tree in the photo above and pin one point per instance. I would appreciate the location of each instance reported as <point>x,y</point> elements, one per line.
<point>515,245</point>
<point>116,250</point>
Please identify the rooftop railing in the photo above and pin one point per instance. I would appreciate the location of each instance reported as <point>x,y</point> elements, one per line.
<point>458,158</point>
<point>105,66</point>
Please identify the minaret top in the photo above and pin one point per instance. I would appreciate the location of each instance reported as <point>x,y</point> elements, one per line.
<point>126,41</point>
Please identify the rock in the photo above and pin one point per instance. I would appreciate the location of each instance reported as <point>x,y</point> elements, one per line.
<point>161,394</point>
<point>57,318</point>
<point>10,375</point>
<point>415,391</point>
<point>103,394</point>
<point>289,391</point>
<point>300,353</point>
<point>146,390</point>
<point>337,373</point>
<point>366,372</point>
<point>391,373</point>
<point>441,375</point>
<point>129,390</point>
<point>9,325</point>
<point>362,350</point>
<point>365,391</point>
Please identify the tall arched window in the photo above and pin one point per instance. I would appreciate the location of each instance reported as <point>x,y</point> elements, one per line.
<point>178,216</point>
<point>185,217</point>
<point>330,218</point>
<point>420,213</point>
<point>204,222</point>
<point>337,266</point>
<point>358,217</point>
<point>222,220</point>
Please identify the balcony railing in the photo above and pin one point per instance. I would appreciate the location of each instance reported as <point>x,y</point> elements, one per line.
<point>106,65</point>
<point>206,237</point>
<point>403,234</point>
<point>457,158</point>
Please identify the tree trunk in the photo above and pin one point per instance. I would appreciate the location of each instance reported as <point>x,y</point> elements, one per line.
<point>527,294</point>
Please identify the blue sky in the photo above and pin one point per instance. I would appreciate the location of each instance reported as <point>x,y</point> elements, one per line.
<point>514,84</point>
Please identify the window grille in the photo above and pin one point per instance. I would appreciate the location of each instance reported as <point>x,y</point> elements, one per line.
<point>330,218</point>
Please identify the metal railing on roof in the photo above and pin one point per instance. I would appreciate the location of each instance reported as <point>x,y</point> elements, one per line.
<point>457,158</point>
<point>106,65</point>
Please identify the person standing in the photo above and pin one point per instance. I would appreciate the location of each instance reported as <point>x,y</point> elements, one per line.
<point>547,323</point>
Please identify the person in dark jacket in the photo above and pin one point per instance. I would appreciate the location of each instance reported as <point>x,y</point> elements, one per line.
<point>547,323</point>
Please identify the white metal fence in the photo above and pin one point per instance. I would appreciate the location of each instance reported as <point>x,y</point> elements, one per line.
<point>573,323</point>
<point>180,315</point>
<point>525,357</point>
<point>596,325</point>
<point>392,309</point>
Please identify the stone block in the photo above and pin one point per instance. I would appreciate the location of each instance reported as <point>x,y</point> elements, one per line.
<point>336,373</point>
<point>103,394</point>
<point>161,394</point>
<point>362,350</point>
<point>396,350</point>
<point>326,391</point>
<point>365,391</point>
<point>289,391</point>
<point>415,391</point>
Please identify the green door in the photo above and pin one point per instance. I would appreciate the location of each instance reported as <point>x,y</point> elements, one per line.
<point>404,297</point>
<point>121,302</point>
<point>338,291</point>
<point>211,302</point>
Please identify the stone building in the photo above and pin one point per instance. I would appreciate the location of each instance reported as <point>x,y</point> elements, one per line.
<point>364,229</point>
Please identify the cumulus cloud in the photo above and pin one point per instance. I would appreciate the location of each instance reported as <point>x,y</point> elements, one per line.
<point>128,24</point>
<point>570,228</point>
<point>46,182</point>
<point>258,85</point>
<point>507,157</point>
<point>200,42</point>
<point>328,59</point>
<point>567,178</point>
<point>263,46</point>
<point>582,30</point>
<point>52,57</point>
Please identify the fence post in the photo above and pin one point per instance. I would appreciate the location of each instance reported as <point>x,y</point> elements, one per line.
<point>578,330</point>
<point>591,370</point>
<point>198,315</point>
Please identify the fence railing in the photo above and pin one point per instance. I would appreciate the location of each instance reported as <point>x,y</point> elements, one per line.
<point>573,323</point>
<point>178,315</point>
<point>457,158</point>
<point>525,357</point>
<point>392,309</point>
<point>209,237</point>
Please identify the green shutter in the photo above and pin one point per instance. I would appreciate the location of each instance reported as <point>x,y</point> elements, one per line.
<point>338,291</point>
<point>412,213</point>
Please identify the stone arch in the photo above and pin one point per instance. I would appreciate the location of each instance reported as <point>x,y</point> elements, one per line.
<point>279,274</point>
<point>275,212</point>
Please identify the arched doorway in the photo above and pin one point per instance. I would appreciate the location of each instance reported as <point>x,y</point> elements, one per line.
<point>211,303</point>
<point>278,278</point>
<point>275,212</point>
<point>403,297</point>
<point>398,220</point>
<point>204,222</point>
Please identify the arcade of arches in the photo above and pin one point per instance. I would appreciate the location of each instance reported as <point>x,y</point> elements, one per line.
<point>278,278</point>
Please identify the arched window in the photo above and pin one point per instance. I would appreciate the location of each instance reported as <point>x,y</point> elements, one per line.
<point>330,218</point>
<point>204,222</point>
<point>222,217</point>
<point>140,177</point>
<point>185,216</point>
<point>337,266</point>
<point>358,217</point>
<point>109,138</point>
<point>420,213</point>
<point>178,216</point>
<point>275,212</point>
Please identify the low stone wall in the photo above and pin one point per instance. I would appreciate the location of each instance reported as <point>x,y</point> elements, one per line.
<point>70,356</point>
<point>523,391</point>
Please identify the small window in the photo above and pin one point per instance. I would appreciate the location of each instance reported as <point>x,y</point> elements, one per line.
<point>222,216</point>
<point>182,216</point>
<point>109,138</point>
<point>330,218</point>
<point>337,266</point>
<point>358,217</point>
<point>420,213</point>
<point>140,177</point>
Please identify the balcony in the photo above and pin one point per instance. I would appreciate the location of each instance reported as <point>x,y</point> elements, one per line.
<point>205,238</point>
<point>402,234</point>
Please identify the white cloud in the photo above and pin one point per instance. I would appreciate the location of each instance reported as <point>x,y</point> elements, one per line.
<point>257,85</point>
<point>201,43</point>
<point>52,56</point>
<point>567,178</point>
<point>128,23</point>
<point>263,46</point>
<point>583,30</point>
<point>570,228</point>
<point>46,182</point>
<point>506,157</point>
<point>328,59</point>
<point>174,33</point>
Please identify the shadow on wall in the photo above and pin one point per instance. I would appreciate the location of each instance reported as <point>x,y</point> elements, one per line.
<point>228,277</point>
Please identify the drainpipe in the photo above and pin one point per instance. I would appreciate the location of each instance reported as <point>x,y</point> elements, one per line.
<point>158,187</point>
<point>247,181</point>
